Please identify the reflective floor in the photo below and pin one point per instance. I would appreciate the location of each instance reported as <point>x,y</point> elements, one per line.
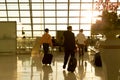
<point>30,67</point>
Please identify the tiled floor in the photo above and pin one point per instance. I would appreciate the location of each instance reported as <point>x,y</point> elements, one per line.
<point>29,67</point>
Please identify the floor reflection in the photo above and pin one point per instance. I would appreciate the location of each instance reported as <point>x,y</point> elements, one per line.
<point>30,67</point>
<point>47,70</point>
<point>69,76</point>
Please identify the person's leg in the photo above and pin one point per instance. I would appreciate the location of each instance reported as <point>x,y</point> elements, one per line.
<point>80,50</point>
<point>86,48</point>
<point>82,47</point>
<point>45,48</point>
<point>73,53</point>
<point>66,56</point>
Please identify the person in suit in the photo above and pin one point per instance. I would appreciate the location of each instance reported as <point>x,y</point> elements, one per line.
<point>68,44</point>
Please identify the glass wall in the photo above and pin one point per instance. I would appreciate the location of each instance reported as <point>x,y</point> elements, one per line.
<point>33,16</point>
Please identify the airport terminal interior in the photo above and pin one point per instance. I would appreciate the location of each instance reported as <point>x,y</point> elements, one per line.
<point>22,23</point>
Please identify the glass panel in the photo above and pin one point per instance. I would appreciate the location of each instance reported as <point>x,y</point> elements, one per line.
<point>86,0</point>
<point>61,20</point>
<point>37,6</point>
<point>37,13</point>
<point>61,13</point>
<point>49,20</point>
<point>87,14</point>
<point>75,27</point>
<point>74,0</point>
<point>3,14</point>
<point>41,27</point>
<point>49,13</point>
<point>13,13</point>
<point>24,6</point>
<point>11,0</point>
<point>28,33</point>
<point>74,6</point>
<point>25,13</point>
<point>85,27</point>
<point>50,16</point>
<point>62,0</point>
<point>3,19</point>
<point>19,34</point>
<point>2,7</point>
<point>26,27</point>
<point>25,20</point>
<point>38,33</point>
<point>2,0</point>
<point>49,0</point>
<point>19,26</point>
<point>37,0</point>
<point>38,27</point>
<point>87,33</point>
<point>23,0</point>
<point>52,33</point>
<point>75,32</point>
<point>62,6</point>
<point>41,21</point>
<point>12,6</point>
<point>49,6</point>
<point>85,20</point>
<point>86,6</point>
<point>96,13</point>
<point>37,20</point>
<point>14,19</point>
<point>61,27</point>
<point>73,20</point>
<point>74,13</point>
<point>50,27</point>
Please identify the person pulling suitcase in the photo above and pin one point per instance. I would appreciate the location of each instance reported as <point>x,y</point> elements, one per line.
<point>46,42</point>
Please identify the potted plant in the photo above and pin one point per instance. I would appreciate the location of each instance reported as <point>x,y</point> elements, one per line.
<point>110,48</point>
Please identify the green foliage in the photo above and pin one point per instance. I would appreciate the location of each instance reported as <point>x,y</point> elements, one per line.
<point>109,21</point>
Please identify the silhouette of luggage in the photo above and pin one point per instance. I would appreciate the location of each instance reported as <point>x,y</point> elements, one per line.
<point>72,64</point>
<point>97,60</point>
<point>47,59</point>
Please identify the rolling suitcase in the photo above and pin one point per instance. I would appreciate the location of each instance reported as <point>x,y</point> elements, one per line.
<point>98,61</point>
<point>47,59</point>
<point>72,64</point>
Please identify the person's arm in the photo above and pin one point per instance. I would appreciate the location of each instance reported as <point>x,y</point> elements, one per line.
<point>50,41</point>
<point>76,39</point>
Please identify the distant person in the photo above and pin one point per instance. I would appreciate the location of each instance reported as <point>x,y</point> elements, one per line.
<point>46,41</point>
<point>81,42</point>
<point>68,44</point>
<point>54,41</point>
<point>88,43</point>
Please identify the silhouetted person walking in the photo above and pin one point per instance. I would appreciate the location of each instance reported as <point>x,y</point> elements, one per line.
<point>81,42</point>
<point>69,45</point>
<point>46,41</point>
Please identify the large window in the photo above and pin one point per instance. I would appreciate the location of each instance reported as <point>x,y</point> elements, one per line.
<point>33,17</point>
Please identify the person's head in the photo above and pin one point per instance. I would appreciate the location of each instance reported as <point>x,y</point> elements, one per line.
<point>81,30</point>
<point>88,37</point>
<point>69,28</point>
<point>46,30</point>
<point>53,37</point>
